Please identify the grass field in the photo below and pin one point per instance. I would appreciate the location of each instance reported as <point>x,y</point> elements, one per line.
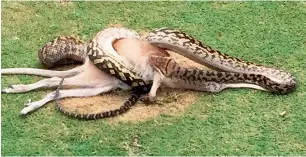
<point>233,122</point>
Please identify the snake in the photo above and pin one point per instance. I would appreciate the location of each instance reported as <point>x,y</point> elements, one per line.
<point>230,69</point>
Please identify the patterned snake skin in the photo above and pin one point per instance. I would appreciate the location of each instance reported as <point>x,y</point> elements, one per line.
<point>232,70</point>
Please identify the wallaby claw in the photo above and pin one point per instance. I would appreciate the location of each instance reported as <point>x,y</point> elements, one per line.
<point>148,100</point>
<point>10,86</point>
<point>27,103</point>
<point>5,90</point>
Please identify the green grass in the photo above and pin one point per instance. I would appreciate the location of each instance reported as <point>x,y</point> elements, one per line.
<point>233,122</point>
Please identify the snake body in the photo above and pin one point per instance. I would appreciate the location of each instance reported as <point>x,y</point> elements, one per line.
<point>231,70</point>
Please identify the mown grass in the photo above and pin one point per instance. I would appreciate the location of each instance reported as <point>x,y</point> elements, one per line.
<point>233,122</point>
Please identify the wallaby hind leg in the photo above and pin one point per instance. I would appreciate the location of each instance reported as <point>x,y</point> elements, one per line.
<point>47,73</point>
<point>88,78</point>
<point>42,72</point>
<point>84,92</point>
<point>45,83</point>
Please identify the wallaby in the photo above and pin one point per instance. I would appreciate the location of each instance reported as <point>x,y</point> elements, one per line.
<point>88,79</point>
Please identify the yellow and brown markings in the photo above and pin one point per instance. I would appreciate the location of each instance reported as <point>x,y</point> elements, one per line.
<point>124,74</point>
<point>188,41</point>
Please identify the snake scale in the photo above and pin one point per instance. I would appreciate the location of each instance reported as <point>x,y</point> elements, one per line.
<point>231,70</point>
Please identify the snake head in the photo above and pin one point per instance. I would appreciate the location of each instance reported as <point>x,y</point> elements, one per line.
<point>165,65</point>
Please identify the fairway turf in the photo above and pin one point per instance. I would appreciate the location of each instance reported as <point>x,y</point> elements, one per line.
<point>232,122</point>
